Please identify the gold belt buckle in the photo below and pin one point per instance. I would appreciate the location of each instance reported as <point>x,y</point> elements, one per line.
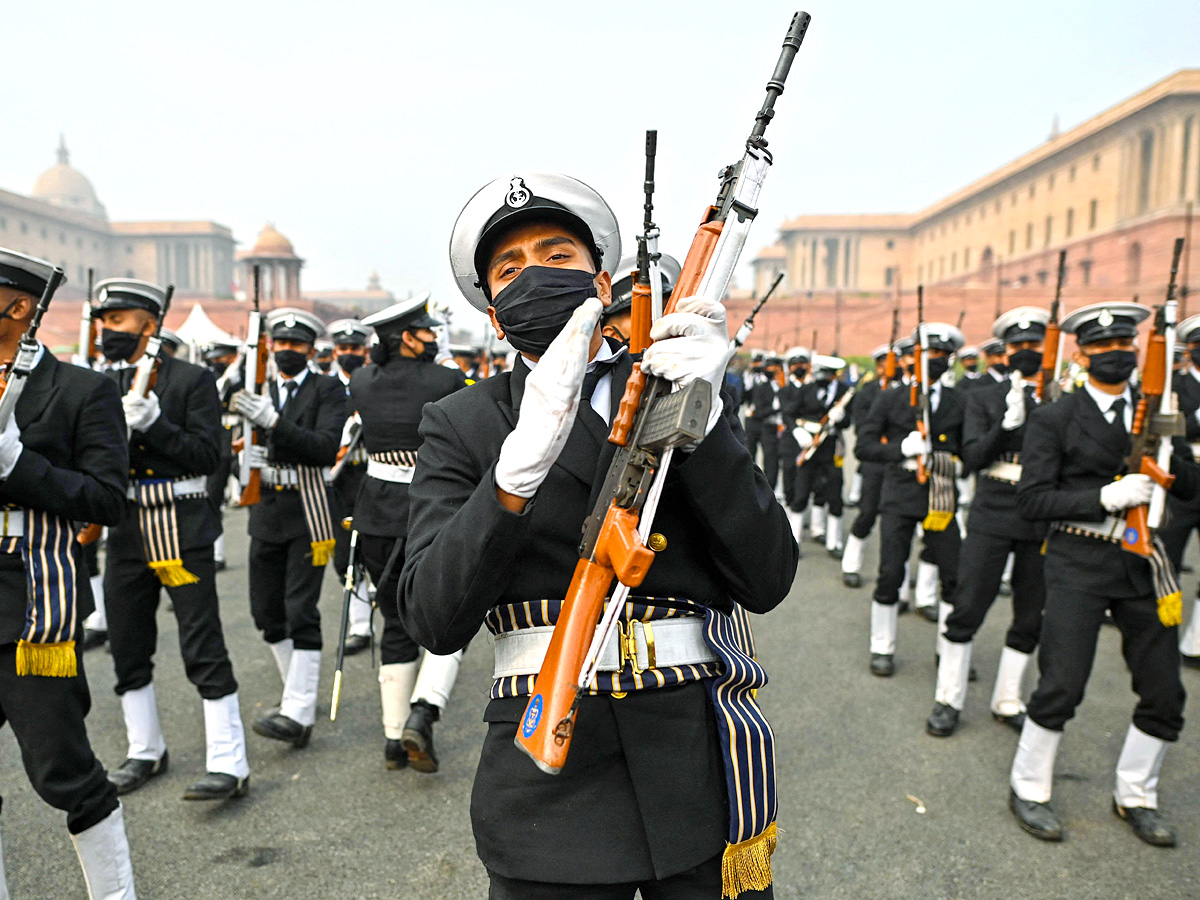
<point>627,643</point>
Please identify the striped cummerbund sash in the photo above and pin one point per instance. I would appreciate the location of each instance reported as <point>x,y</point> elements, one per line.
<point>155,499</point>
<point>747,742</point>
<point>942,491</point>
<point>395,457</point>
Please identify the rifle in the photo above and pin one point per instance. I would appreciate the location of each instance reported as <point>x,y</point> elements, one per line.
<point>919,394</point>
<point>87,326</point>
<point>146,373</point>
<point>962,314</point>
<point>889,363</point>
<point>347,598</point>
<point>826,428</point>
<point>1047,386</point>
<point>748,325</point>
<point>649,424</point>
<point>1155,422</point>
<point>346,452</point>
<point>256,378</point>
<point>17,371</point>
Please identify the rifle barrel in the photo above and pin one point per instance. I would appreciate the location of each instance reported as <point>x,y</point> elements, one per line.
<point>791,44</point>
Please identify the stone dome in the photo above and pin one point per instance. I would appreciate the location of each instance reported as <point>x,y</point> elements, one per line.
<point>271,243</point>
<point>68,188</point>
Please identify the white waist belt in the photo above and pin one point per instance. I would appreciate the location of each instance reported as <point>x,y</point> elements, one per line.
<point>659,644</point>
<point>388,472</point>
<point>1004,471</point>
<point>182,487</point>
<point>1111,529</point>
<point>286,476</point>
<point>13,522</point>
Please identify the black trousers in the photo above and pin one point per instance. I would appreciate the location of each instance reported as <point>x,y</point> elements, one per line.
<point>1068,648</point>
<point>132,593</point>
<point>701,883</point>
<point>770,447</point>
<point>753,429</point>
<point>215,483</point>
<point>1182,522</point>
<point>895,544</point>
<point>820,480</point>
<point>868,504</point>
<point>395,646</point>
<point>980,571</point>
<point>47,717</point>
<point>285,590</point>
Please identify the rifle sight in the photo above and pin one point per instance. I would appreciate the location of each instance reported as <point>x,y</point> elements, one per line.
<point>791,44</point>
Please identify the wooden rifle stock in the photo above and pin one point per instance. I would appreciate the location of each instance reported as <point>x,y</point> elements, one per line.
<point>252,489</point>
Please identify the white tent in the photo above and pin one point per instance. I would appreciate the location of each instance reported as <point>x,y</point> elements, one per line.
<point>200,331</point>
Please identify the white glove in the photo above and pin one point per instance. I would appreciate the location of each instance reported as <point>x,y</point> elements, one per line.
<point>548,406</point>
<point>258,408</point>
<point>1014,412</point>
<point>691,343</point>
<point>1132,490</point>
<point>256,456</point>
<point>914,444</point>
<point>837,415</point>
<point>346,430</point>
<point>10,447</point>
<point>140,412</point>
<point>803,438</point>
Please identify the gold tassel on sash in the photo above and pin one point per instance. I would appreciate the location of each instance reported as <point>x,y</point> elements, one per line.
<point>942,491</point>
<point>314,500</point>
<point>172,573</point>
<point>747,866</point>
<point>50,660</point>
<point>322,552</point>
<point>1170,609</point>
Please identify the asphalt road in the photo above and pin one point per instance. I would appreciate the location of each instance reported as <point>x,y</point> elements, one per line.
<point>330,822</point>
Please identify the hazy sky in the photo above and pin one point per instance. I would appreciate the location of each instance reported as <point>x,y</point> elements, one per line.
<point>361,127</point>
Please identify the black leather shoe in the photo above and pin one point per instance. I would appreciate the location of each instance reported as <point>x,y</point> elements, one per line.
<point>1036,818</point>
<point>278,727</point>
<point>928,613</point>
<point>883,665</point>
<point>357,643</point>
<point>133,773</point>
<point>1015,722</point>
<point>417,737</point>
<point>1148,824</point>
<point>1189,662</point>
<point>395,754</point>
<point>836,552</point>
<point>851,579</point>
<point>93,639</point>
<point>902,607</point>
<point>217,786</point>
<point>942,721</point>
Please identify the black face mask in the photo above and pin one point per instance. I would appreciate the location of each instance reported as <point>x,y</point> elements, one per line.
<point>1112,366</point>
<point>1000,368</point>
<point>1194,355</point>
<point>798,372</point>
<point>349,361</point>
<point>218,368</point>
<point>1026,361</point>
<point>938,367</point>
<point>291,362</point>
<point>428,352</point>
<point>324,364</point>
<point>911,368</point>
<point>533,309</point>
<point>118,346</point>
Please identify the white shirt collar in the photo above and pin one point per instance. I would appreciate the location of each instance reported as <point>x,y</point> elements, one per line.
<point>280,381</point>
<point>1105,400</point>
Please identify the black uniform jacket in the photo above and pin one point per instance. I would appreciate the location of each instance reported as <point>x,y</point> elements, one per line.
<point>892,417</point>
<point>868,392</point>
<point>308,433</point>
<point>762,398</point>
<point>994,509</point>
<point>74,465</point>
<point>807,401</point>
<point>1070,453</point>
<point>642,794</point>
<point>389,399</point>
<point>185,440</point>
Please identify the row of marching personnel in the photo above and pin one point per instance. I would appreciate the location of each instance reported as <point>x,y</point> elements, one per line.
<point>1069,485</point>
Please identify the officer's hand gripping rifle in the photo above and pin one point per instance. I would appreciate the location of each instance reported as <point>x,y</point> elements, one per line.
<point>146,369</point>
<point>826,427</point>
<point>919,393</point>
<point>650,423</point>
<point>18,370</point>
<point>1047,386</point>
<point>748,325</point>
<point>256,378</point>
<point>1155,422</point>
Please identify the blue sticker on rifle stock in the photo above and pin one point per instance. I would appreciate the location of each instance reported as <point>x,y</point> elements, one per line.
<point>1131,535</point>
<point>533,715</point>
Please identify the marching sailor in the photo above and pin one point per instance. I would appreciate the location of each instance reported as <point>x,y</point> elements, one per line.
<point>616,321</point>
<point>993,430</point>
<point>1183,518</point>
<point>350,341</point>
<point>322,360</point>
<point>752,422</point>
<point>821,476</point>
<point>63,459</point>
<point>796,361</point>
<point>995,365</point>
<point>501,489</point>
<point>389,397</point>
<point>291,528</point>
<point>969,358</point>
<point>890,435</point>
<point>221,357</point>
<point>871,473</point>
<point>165,540</point>
<point>1073,459</point>
<point>764,407</point>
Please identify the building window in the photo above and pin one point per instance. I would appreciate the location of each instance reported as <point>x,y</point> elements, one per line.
<point>1145,164</point>
<point>1070,222</point>
<point>1092,215</point>
<point>1187,152</point>
<point>941,267</point>
<point>1013,200</point>
<point>953,262</point>
<point>1133,264</point>
<point>891,245</point>
<point>967,260</point>
<point>1032,190</point>
<point>1052,181</point>
<point>1085,269</point>
<point>1043,276</point>
<point>1096,163</point>
<point>1029,236</point>
<point>1012,242</point>
<point>1049,230</point>
<point>1072,174</point>
<point>888,276</point>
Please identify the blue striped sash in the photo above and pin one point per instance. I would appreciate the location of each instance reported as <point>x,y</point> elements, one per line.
<point>160,531</point>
